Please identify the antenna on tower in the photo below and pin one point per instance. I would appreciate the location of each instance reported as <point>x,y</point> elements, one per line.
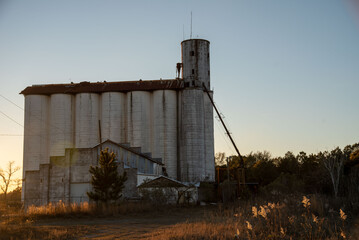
<point>191,25</point>
<point>183,32</point>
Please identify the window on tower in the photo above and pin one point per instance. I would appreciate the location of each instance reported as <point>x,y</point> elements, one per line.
<point>192,71</point>
<point>192,53</point>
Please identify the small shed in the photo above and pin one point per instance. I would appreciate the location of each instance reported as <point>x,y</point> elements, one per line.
<point>165,190</point>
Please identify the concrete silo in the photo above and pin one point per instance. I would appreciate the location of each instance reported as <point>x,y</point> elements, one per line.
<point>196,118</point>
<point>165,129</point>
<point>192,136</point>
<point>87,120</point>
<point>61,123</point>
<point>36,139</point>
<point>195,60</point>
<point>139,127</point>
<point>113,116</point>
<point>36,150</point>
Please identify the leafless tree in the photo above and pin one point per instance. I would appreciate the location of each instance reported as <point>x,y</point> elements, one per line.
<point>6,177</point>
<point>220,158</point>
<point>334,162</point>
<point>354,156</point>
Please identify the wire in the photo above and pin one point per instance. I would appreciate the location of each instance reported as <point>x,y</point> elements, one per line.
<point>221,130</point>
<point>11,135</point>
<point>227,125</point>
<point>11,118</point>
<point>11,102</point>
<point>51,125</point>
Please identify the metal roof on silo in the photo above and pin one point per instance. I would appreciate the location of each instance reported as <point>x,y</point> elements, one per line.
<point>99,87</point>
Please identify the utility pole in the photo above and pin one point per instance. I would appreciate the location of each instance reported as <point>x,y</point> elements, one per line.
<point>228,188</point>
<point>241,179</point>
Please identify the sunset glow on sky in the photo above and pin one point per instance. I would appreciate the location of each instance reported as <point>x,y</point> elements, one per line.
<point>285,73</point>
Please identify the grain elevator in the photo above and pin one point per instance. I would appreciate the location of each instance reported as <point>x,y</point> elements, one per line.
<point>158,127</point>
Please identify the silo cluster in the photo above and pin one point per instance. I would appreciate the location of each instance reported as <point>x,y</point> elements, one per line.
<point>143,119</point>
<point>167,119</point>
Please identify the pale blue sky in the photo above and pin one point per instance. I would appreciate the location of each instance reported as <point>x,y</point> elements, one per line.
<point>285,73</point>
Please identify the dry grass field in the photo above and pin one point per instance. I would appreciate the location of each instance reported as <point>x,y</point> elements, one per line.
<point>293,217</point>
<point>128,221</point>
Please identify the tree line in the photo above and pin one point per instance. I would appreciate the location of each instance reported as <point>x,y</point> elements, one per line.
<point>334,172</point>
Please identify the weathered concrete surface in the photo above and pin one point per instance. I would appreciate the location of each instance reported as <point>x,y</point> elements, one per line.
<point>113,117</point>
<point>196,114</point>
<point>87,120</point>
<point>130,188</point>
<point>164,144</point>
<point>192,149</point>
<point>59,186</point>
<point>139,120</point>
<point>208,139</point>
<point>196,65</point>
<point>32,190</point>
<point>68,178</point>
<point>62,124</point>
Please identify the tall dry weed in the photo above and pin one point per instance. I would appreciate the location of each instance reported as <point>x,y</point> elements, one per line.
<point>61,209</point>
<point>287,219</point>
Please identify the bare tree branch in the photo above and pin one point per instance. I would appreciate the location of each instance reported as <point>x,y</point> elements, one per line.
<point>220,158</point>
<point>333,162</point>
<point>7,177</point>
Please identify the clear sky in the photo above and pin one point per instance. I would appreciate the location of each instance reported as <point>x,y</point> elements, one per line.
<point>285,73</point>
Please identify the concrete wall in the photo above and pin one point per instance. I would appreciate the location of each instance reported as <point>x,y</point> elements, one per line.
<point>44,174</point>
<point>59,185</point>
<point>208,139</point>
<point>165,129</point>
<point>130,186</point>
<point>36,126</point>
<point>196,65</point>
<point>67,178</point>
<point>192,142</point>
<point>113,116</point>
<point>139,120</point>
<point>36,132</point>
<point>32,190</point>
<point>61,124</point>
<point>87,120</point>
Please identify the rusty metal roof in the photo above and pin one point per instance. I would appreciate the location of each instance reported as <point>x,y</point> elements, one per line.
<point>162,182</point>
<point>99,87</point>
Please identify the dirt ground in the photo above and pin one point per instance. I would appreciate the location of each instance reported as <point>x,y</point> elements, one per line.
<point>134,226</point>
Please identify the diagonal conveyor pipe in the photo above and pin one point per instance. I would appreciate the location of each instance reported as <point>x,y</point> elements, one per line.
<point>241,162</point>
